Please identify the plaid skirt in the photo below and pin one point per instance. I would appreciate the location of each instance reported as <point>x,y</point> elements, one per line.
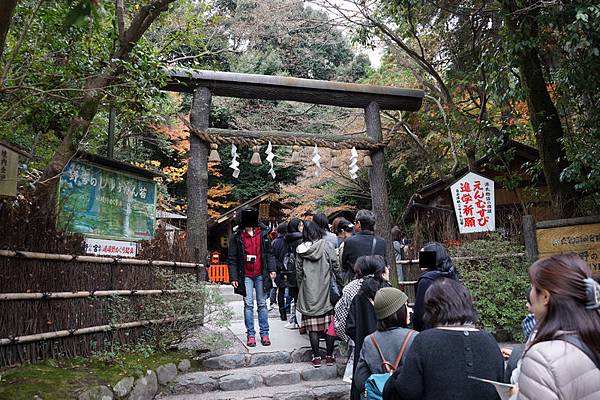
<point>320,323</point>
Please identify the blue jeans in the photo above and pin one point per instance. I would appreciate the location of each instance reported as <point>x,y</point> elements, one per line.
<point>261,301</point>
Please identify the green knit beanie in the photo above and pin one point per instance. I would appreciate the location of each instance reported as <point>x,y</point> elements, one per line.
<point>387,301</point>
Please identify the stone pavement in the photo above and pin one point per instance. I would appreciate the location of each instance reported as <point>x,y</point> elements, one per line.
<point>282,339</point>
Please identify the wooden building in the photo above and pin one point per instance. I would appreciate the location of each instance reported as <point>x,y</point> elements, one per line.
<point>517,192</point>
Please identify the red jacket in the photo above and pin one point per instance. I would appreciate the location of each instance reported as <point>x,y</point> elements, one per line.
<point>252,246</point>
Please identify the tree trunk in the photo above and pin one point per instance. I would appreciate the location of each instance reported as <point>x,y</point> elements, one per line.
<point>6,13</point>
<point>93,96</point>
<point>542,111</point>
<point>197,180</point>
<point>379,194</point>
<point>46,190</point>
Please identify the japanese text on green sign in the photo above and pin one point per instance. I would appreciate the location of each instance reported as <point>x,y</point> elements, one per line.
<point>99,202</point>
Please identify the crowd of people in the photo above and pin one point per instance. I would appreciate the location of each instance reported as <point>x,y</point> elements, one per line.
<point>336,279</point>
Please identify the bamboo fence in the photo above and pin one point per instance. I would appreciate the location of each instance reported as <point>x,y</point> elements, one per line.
<point>51,304</point>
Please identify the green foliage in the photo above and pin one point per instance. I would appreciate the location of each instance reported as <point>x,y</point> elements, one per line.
<point>195,303</point>
<point>287,37</point>
<point>465,59</point>
<point>576,29</point>
<point>498,281</point>
<point>54,48</point>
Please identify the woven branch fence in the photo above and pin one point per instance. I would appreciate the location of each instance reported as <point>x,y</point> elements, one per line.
<point>55,305</point>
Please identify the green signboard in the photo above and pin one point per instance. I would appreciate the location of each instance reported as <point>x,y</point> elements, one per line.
<point>99,202</point>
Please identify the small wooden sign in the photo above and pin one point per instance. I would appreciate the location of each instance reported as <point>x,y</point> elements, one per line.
<point>581,238</point>
<point>263,211</point>
<point>9,161</point>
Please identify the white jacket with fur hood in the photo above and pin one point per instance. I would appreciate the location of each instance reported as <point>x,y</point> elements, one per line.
<point>557,370</point>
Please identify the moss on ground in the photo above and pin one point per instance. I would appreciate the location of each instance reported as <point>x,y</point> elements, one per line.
<point>62,379</point>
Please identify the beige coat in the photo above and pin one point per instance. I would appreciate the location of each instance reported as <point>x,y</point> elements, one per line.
<point>557,370</point>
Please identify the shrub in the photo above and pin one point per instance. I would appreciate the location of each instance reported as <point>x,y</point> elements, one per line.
<point>498,281</point>
<point>195,304</point>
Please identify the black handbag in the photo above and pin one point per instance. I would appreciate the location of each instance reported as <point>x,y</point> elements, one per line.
<point>335,293</point>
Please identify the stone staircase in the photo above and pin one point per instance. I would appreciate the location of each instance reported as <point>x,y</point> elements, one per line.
<point>280,371</point>
<point>267,375</point>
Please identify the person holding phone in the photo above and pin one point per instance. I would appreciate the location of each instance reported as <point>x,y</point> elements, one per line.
<point>435,258</point>
<point>252,268</point>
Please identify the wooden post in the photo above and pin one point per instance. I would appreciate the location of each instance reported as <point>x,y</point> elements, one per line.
<point>530,239</point>
<point>379,195</point>
<point>197,182</point>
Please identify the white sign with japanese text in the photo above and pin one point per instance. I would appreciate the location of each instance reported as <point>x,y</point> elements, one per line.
<point>113,248</point>
<point>473,198</point>
<point>9,161</point>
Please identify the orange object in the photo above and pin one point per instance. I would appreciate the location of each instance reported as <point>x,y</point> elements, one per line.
<point>218,273</point>
<point>215,257</point>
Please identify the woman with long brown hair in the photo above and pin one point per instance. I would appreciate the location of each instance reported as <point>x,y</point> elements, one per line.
<point>563,359</point>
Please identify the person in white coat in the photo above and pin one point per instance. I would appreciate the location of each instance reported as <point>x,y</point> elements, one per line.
<point>563,359</point>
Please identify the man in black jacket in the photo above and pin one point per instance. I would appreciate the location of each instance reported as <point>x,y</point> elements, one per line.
<point>363,243</point>
<point>251,269</point>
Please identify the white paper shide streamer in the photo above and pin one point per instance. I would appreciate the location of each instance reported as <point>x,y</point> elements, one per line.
<point>270,157</point>
<point>353,167</point>
<point>316,158</point>
<point>234,162</point>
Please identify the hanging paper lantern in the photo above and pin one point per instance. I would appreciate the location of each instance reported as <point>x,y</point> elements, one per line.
<point>270,157</point>
<point>367,162</point>
<point>214,154</point>
<point>316,158</point>
<point>353,167</point>
<point>234,162</point>
<point>255,160</point>
<point>334,159</point>
<point>295,154</point>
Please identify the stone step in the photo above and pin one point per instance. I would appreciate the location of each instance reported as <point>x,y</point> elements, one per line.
<point>250,378</point>
<point>316,390</point>
<point>240,360</point>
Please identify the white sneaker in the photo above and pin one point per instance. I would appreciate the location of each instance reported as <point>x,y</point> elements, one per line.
<point>291,325</point>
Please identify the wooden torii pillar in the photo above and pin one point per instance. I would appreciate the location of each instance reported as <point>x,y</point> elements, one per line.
<point>205,84</point>
<point>197,182</point>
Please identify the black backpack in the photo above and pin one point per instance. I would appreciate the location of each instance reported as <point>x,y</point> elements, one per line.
<point>289,261</point>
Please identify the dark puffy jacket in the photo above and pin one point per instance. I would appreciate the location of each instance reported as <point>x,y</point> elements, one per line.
<point>279,248</point>
<point>236,260</point>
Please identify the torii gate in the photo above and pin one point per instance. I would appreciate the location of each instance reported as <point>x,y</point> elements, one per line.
<point>205,84</point>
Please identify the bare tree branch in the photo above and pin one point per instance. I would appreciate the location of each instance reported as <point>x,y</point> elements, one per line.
<point>449,131</point>
<point>94,91</point>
